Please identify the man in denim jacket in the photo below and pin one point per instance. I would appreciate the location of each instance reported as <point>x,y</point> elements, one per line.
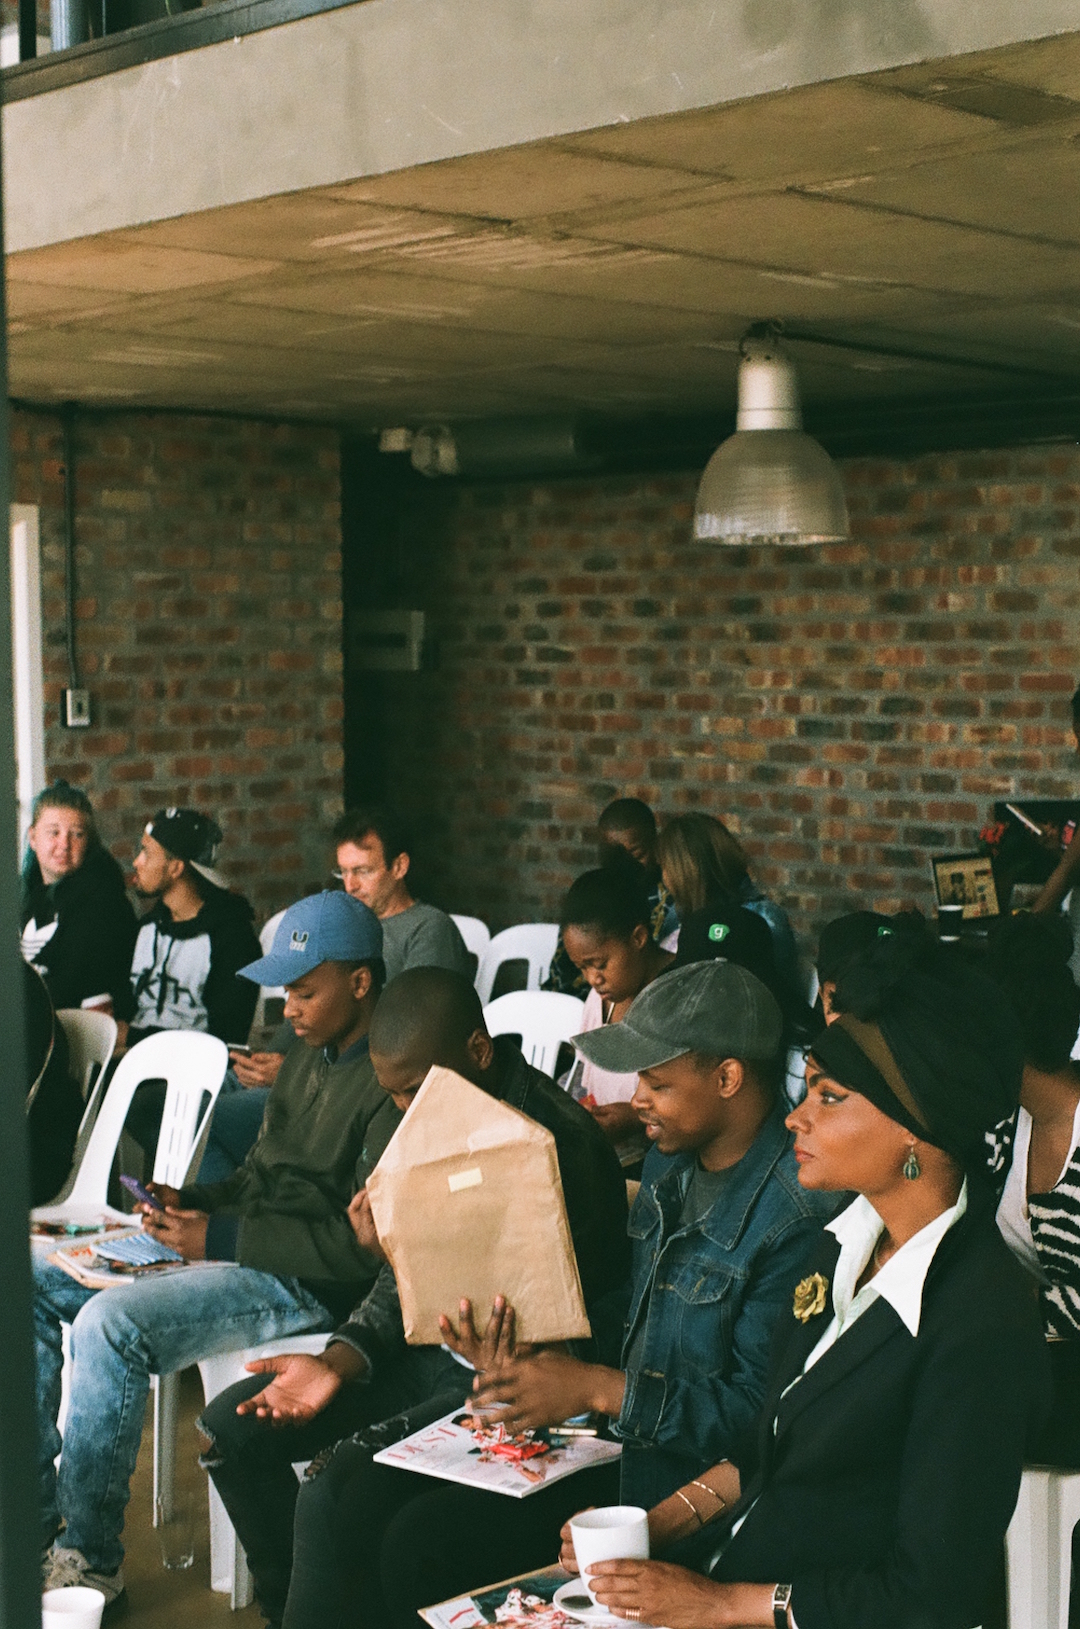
<point>720,1230</point>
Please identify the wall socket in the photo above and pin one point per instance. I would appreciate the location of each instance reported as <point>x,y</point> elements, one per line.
<point>75,709</point>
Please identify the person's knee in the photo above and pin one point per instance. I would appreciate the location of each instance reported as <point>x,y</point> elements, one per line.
<point>113,1321</point>
<point>228,1436</point>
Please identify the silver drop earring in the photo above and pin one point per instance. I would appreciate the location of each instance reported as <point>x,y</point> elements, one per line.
<point>912,1168</point>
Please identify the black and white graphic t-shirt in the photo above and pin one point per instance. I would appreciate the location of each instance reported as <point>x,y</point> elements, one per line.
<point>183,974</point>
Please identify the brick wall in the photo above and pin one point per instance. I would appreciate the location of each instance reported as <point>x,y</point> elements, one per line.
<point>209,630</point>
<point>847,710</point>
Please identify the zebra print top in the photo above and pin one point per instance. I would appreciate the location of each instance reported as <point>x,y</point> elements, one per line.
<point>1055,1230</point>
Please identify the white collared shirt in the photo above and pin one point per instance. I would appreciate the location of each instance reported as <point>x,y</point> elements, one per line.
<point>900,1281</point>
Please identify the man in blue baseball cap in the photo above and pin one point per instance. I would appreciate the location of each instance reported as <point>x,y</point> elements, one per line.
<point>278,1232</point>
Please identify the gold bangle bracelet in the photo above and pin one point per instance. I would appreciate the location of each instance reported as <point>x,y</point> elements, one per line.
<point>705,1488</point>
<point>690,1505</point>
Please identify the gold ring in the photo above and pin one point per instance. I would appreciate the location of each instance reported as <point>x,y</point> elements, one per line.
<point>633,1613</point>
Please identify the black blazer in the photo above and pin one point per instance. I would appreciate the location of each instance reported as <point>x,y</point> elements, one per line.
<point>885,1490</point>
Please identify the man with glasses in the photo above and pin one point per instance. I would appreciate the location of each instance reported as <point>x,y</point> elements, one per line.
<point>373,863</point>
<point>372,849</point>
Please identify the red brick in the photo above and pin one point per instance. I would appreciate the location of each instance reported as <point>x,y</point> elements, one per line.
<point>205,629</point>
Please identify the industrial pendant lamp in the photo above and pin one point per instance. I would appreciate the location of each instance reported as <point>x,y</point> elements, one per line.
<point>770,482</point>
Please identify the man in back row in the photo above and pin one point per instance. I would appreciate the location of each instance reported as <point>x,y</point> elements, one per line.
<point>373,861</point>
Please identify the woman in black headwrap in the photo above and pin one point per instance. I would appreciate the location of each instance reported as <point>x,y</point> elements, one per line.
<point>907,1373</point>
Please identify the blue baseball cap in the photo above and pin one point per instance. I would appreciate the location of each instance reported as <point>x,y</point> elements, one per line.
<point>326,927</point>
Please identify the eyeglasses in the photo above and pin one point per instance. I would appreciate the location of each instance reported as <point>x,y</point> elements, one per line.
<point>356,871</point>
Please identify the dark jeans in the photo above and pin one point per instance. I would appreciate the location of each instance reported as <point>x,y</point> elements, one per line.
<point>372,1545</point>
<point>251,1461</point>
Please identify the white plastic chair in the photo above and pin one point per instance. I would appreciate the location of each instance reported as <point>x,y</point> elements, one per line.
<point>543,1018</point>
<point>228,1564</point>
<point>476,934</point>
<point>267,992</point>
<point>193,1066</point>
<point>532,942</point>
<point>91,1037</point>
<point>1038,1548</point>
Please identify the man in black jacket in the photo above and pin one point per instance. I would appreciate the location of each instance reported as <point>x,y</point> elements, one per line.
<point>190,948</point>
<point>78,927</point>
<point>196,938</point>
<point>426,1016</point>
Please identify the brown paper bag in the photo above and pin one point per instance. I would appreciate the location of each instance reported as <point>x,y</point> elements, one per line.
<point>467,1201</point>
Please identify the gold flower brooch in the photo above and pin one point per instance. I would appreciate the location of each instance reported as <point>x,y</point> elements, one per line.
<point>811,1296</point>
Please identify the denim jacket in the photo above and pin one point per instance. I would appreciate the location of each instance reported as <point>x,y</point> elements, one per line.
<point>704,1301</point>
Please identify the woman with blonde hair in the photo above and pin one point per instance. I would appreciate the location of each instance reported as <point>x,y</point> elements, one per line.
<point>704,866</point>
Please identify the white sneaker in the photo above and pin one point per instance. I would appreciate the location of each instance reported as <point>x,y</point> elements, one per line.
<point>64,1569</point>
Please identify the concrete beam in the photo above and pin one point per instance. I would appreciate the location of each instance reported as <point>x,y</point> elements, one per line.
<point>390,84</point>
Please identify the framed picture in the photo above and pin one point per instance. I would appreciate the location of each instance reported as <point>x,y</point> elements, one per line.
<point>967,880</point>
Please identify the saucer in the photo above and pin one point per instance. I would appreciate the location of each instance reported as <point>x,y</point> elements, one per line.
<point>574,1591</point>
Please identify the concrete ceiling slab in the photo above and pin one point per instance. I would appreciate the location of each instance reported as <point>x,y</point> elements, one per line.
<point>831,236</point>
<point>115,265</point>
<point>927,210</point>
<point>1037,195</point>
<point>817,134</point>
<point>520,183</point>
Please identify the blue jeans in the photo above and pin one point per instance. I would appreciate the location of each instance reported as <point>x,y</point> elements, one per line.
<point>119,1337</point>
<point>234,1128</point>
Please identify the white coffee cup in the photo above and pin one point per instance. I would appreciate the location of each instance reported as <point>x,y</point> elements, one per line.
<point>75,1608</point>
<point>612,1533</point>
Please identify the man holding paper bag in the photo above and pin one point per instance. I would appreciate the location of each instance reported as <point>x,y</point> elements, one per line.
<point>427,1017</point>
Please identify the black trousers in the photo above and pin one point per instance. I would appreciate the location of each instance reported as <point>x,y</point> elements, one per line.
<point>251,1461</point>
<point>372,1544</point>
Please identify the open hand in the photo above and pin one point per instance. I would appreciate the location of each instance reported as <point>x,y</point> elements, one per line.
<point>303,1385</point>
<point>363,1225</point>
<point>183,1230</point>
<point>495,1347</point>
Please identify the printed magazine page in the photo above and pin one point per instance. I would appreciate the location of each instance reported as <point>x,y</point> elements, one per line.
<point>517,1603</point>
<point>462,1447</point>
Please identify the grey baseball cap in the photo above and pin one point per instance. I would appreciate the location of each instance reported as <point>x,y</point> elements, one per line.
<point>714,1007</point>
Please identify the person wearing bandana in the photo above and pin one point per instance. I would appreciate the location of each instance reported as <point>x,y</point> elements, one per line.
<point>909,1373</point>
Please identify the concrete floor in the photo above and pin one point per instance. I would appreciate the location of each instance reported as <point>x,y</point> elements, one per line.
<point>174,1600</point>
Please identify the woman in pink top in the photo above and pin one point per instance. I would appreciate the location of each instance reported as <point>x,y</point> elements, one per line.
<point>606,930</point>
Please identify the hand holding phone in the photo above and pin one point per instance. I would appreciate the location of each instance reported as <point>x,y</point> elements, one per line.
<point>145,1197</point>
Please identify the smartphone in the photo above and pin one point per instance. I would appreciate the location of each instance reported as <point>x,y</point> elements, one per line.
<point>133,1185</point>
<point>244,1051</point>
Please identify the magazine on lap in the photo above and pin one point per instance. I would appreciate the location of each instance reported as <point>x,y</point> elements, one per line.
<point>526,1602</point>
<point>461,1447</point>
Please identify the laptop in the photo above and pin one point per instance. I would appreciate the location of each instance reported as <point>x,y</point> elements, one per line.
<point>967,880</point>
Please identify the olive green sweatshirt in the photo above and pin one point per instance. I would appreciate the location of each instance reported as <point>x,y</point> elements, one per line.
<point>292,1191</point>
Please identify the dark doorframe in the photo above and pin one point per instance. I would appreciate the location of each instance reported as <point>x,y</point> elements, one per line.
<point>20,1521</point>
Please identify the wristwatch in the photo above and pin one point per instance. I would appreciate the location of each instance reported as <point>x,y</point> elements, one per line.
<point>781,1597</point>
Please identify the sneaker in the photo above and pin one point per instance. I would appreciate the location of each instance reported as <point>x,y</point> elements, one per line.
<point>64,1569</point>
